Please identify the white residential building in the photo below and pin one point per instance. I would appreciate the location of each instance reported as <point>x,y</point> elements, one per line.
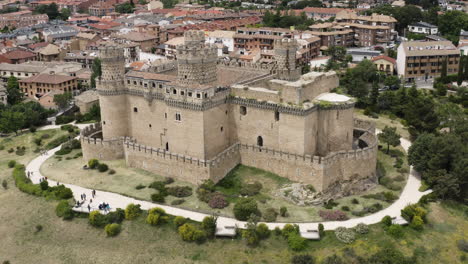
<point>423,28</point>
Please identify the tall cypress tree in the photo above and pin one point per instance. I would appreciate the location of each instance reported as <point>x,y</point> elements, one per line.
<point>443,74</point>
<point>461,68</point>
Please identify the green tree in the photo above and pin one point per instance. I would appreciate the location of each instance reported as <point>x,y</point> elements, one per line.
<point>13,91</point>
<point>125,8</point>
<point>374,96</point>
<point>50,10</point>
<point>209,226</point>
<point>461,68</point>
<point>443,71</point>
<point>62,100</point>
<point>11,121</point>
<point>65,13</point>
<point>390,137</point>
<point>169,3</point>
<point>96,71</point>
<point>244,208</point>
<point>451,22</point>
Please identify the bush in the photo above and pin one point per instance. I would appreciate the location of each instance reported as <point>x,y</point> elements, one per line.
<point>283,211</point>
<point>140,186</point>
<point>244,208</point>
<point>168,180</point>
<point>262,231</point>
<point>132,211</point>
<point>38,141</point>
<point>296,242</point>
<point>251,189</point>
<point>250,236</point>
<point>345,235</point>
<point>270,215</point>
<point>116,216</point>
<point>64,119</point>
<point>93,163</point>
<point>112,229</point>
<point>156,216</point>
<point>330,204</point>
<point>189,232</point>
<point>289,229</point>
<point>63,151</point>
<point>158,197</point>
<point>345,208</point>
<point>383,196</point>
<point>97,219</point>
<point>362,228</point>
<point>61,192</point>
<point>277,231</point>
<point>413,210</point>
<point>102,167</point>
<point>395,231</point>
<point>336,215</point>
<point>217,200</point>
<point>209,226</point>
<point>417,223</point>
<point>386,220</point>
<point>38,228</point>
<point>64,210</point>
<point>44,185</point>
<point>11,150</point>
<point>11,163</point>
<point>178,202</point>
<point>2,147</point>
<point>20,151</point>
<point>462,245</point>
<point>111,172</point>
<point>4,184</point>
<point>158,185</point>
<point>179,191</point>
<point>57,142</point>
<point>179,221</point>
<point>45,136</point>
<point>321,230</point>
<point>302,259</point>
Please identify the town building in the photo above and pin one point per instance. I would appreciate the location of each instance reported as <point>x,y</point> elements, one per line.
<point>60,32</point>
<point>463,42</point>
<point>319,13</point>
<point>3,94</point>
<point>22,19</point>
<point>86,100</point>
<point>17,56</point>
<point>424,60</point>
<point>36,86</point>
<point>423,28</point>
<point>384,64</point>
<point>211,115</point>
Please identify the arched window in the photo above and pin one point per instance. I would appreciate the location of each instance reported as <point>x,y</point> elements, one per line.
<point>259,141</point>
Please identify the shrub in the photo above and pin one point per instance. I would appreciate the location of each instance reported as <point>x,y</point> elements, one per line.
<point>11,150</point>
<point>112,229</point>
<point>168,180</point>
<point>156,216</point>
<point>116,216</point>
<point>93,163</point>
<point>244,208</point>
<point>204,195</point>
<point>111,172</point>
<point>158,185</point>
<point>251,189</point>
<point>362,228</point>
<point>395,231</point>
<point>38,228</point>
<point>270,215</point>
<point>462,245</point>
<point>289,229</point>
<point>179,221</point>
<point>209,226</point>
<point>178,202</point>
<point>179,191</point>
<point>330,204</point>
<point>132,211</point>
<point>63,119</point>
<point>417,223</point>
<point>217,200</point>
<point>189,232</point>
<point>96,219</point>
<point>296,242</point>
<point>38,141</point>
<point>262,231</point>
<point>336,215</point>
<point>61,192</point>
<point>383,196</point>
<point>277,231</point>
<point>158,197</point>
<point>2,147</point>
<point>44,185</point>
<point>45,136</point>
<point>140,186</point>
<point>102,167</point>
<point>386,220</point>
<point>302,259</point>
<point>345,208</point>
<point>57,142</point>
<point>345,235</point>
<point>413,210</point>
<point>20,151</point>
<point>283,211</point>
<point>11,163</point>
<point>64,150</point>
<point>64,210</point>
<point>321,230</point>
<point>4,184</point>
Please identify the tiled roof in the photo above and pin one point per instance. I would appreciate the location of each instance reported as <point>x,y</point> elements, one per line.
<point>19,54</point>
<point>48,78</point>
<point>383,57</point>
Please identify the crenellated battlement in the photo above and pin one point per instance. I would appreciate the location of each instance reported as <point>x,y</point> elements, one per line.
<point>111,53</point>
<point>285,43</point>
<point>194,37</point>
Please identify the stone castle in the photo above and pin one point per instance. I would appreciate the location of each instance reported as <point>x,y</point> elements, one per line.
<point>206,116</point>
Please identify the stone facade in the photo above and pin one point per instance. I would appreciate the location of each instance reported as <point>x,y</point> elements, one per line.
<point>192,128</point>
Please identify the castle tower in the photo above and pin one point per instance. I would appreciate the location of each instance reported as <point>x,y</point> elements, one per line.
<point>285,56</point>
<point>196,60</point>
<point>110,86</point>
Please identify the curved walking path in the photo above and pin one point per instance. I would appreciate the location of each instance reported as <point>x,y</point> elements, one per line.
<point>409,195</point>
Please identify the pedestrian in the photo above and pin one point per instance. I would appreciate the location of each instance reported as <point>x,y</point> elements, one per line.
<point>81,196</point>
<point>46,178</point>
<point>58,183</point>
<point>90,200</point>
<point>89,208</point>
<point>84,195</point>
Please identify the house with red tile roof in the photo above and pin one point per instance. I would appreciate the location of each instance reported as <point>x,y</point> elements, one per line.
<point>19,56</point>
<point>385,64</point>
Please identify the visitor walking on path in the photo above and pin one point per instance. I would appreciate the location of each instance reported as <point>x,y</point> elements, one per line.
<point>89,208</point>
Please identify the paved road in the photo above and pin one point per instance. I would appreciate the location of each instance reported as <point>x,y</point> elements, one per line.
<point>410,195</point>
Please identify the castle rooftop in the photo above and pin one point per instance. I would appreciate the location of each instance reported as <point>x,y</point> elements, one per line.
<point>333,98</point>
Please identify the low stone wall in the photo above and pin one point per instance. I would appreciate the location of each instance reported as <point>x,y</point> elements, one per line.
<point>96,148</point>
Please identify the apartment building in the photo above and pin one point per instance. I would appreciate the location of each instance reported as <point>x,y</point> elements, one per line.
<point>22,19</point>
<point>423,60</point>
<point>38,85</point>
<point>259,38</point>
<point>333,34</point>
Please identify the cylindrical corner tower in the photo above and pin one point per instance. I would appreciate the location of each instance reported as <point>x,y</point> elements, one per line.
<point>285,56</point>
<point>196,60</point>
<point>111,88</point>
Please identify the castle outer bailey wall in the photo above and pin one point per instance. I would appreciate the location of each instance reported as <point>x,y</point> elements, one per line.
<point>97,148</point>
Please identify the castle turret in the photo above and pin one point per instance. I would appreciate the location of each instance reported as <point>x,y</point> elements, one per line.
<point>196,60</point>
<point>285,56</point>
<point>110,86</point>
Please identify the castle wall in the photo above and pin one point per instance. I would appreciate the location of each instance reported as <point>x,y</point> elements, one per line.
<point>216,130</point>
<point>114,116</point>
<point>335,132</point>
<point>96,148</point>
